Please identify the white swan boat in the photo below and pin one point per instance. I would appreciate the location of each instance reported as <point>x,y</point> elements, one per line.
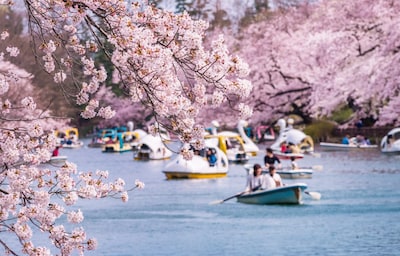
<point>249,146</point>
<point>231,144</point>
<point>138,135</point>
<point>391,141</point>
<point>288,134</point>
<point>288,156</point>
<point>198,167</point>
<point>152,148</point>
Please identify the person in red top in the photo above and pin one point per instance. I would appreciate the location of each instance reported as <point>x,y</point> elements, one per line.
<point>55,151</point>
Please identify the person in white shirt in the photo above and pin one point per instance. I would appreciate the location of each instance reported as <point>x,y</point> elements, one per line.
<point>293,163</point>
<point>256,180</point>
<point>273,180</point>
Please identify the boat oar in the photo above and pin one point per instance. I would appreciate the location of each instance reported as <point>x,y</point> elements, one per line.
<point>314,195</point>
<point>229,198</point>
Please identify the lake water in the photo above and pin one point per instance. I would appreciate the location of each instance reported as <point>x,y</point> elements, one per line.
<point>358,214</point>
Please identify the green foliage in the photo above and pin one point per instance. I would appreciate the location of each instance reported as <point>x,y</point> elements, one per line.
<point>342,115</point>
<point>320,129</point>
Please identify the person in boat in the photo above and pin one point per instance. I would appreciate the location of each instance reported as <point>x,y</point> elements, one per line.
<point>285,148</point>
<point>256,180</point>
<point>390,140</point>
<point>293,148</point>
<point>211,157</point>
<point>293,163</point>
<point>271,159</point>
<point>55,151</point>
<point>110,140</point>
<point>346,140</point>
<point>273,180</point>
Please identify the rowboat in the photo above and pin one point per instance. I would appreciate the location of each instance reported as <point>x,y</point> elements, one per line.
<point>198,167</point>
<point>289,194</point>
<point>340,146</point>
<point>287,173</point>
<point>301,173</point>
<point>391,141</point>
<point>57,160</point>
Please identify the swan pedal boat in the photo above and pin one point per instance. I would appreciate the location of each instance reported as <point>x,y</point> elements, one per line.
<point>391,142</point>
<point>329,145</point>
<point>68,138</point>
<point>288,194</point>
<point>198,167</point>
<point>231,144</point>
<point>296,137</point>
<point>152,148</point>
<point>288,156</point>
<point>249,146</point>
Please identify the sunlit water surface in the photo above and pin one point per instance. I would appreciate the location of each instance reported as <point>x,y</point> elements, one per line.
<point>358,213</point>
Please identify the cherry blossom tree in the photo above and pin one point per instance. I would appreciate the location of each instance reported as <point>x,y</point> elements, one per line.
<point>125,110</point>
<point>27,190</point>
<point>315,58</point>
<point>159,60</point>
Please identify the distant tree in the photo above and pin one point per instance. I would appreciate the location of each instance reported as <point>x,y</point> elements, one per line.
<point>261,5</point>
<point>220,17</point>
<point>307,61</point>
<point>200,9</point>
<point>12,22</point>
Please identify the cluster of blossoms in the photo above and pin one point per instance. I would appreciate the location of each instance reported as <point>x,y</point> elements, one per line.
<point>158,58</point>
<point>30,192</point>
<point>28,189</point>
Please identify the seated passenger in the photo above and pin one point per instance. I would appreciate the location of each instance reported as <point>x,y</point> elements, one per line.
<point>256,180</point>
<point>211,157</point>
